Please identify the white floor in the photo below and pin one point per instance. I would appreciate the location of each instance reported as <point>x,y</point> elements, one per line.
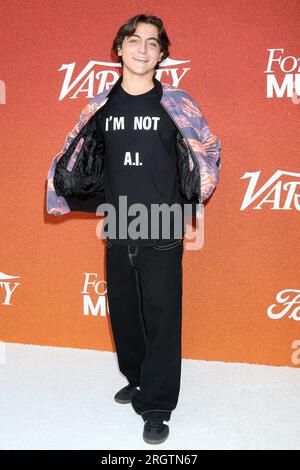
<point>61,398</point>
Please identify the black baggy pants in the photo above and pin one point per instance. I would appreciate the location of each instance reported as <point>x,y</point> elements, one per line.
<point>144,290</point>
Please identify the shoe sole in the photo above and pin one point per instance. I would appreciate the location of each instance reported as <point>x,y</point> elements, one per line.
<point>156,442</point>
<point>122,401</point>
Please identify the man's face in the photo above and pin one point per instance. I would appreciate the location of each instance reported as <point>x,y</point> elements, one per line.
<point>143,44</point>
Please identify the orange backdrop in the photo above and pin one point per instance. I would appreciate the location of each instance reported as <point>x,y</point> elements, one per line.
<point>250,255</point>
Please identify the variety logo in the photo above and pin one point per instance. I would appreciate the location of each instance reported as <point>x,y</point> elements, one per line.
<point>7,287</point>
<point>283,77</point>
<point>276,193</point>
<point>91,287</point>
<point>288,301</point>
<point>101,74</point>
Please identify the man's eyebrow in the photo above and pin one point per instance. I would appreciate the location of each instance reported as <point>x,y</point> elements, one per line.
<point>140,37</point>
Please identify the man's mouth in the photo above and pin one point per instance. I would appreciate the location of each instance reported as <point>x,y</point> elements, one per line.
<point>139,59</point>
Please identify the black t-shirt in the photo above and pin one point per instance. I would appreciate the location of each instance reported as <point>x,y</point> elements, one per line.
<point>140,162</point>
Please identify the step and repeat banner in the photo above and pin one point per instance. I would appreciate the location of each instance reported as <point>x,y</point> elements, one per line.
<point>239,60</point>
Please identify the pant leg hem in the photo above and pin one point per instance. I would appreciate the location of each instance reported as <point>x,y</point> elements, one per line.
<point>165,415</point>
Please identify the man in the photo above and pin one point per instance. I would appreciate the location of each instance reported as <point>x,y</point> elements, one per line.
<point>144,282</point>
<point>143,158</point>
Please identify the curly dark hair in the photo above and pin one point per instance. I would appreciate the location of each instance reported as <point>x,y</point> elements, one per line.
<point>129,27</point>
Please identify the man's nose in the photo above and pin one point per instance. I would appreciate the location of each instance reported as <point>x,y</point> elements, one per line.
<point>143,47</point>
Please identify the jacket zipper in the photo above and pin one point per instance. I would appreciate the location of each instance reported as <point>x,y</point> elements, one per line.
<point>187,143</point>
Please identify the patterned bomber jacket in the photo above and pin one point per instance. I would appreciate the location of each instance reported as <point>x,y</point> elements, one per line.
<point>75,180</point>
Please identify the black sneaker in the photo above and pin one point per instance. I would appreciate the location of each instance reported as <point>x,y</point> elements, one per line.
<point>125,394</point>
<point>155,431</point>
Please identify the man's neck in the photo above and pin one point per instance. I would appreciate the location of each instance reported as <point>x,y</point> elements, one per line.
<point>137,85</point>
